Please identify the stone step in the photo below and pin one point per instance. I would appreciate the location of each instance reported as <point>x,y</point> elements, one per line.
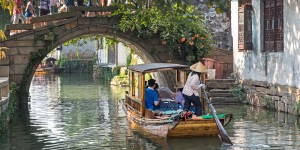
<point>224,100</point>
<point>220,81</point>
<point>220,95</point>
<point>215,85</point>
<point>219,91</point>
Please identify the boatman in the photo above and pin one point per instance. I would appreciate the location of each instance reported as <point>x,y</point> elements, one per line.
<point>151,96</point>
<point>191,88</point>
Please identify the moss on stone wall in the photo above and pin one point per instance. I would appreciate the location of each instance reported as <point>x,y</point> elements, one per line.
<point>81,66</point>
<point>7,115</point>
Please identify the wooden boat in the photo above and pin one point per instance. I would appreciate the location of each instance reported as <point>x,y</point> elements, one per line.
<point>166,125</point>
<point>45,70</point>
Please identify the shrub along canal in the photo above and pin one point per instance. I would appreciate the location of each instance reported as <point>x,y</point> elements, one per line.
<point>74,111</point>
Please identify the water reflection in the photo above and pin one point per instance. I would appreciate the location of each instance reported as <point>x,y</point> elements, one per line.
<point>78,112</point>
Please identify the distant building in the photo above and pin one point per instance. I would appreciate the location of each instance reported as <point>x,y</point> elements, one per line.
<point>107,55</point>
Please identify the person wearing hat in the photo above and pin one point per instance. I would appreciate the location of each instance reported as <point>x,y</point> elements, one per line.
<point>191,88</point>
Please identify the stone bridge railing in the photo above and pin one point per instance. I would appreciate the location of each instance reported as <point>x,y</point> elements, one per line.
<point>60,18</point>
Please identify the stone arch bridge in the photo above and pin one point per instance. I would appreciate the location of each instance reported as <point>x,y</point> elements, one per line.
<point>27,49</point>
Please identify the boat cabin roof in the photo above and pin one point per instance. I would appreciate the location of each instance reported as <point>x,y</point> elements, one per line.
<point>155,67</point>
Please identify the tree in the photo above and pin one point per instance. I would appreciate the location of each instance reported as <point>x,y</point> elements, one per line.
<point>179,25</point>
<point>221,5</point>
<point>5,4</point>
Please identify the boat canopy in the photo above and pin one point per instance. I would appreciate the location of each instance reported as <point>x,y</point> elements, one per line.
<point>155,67</point>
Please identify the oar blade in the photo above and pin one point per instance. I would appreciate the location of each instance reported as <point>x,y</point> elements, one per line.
<point>224,136</point>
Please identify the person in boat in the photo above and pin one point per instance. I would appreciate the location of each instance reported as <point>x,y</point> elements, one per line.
<point>151,96</point>
<point>179,98</point>
<point>156,86</point>
<point>146,84</point>
<point>191,88</point>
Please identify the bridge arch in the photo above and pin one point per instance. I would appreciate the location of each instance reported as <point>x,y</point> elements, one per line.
<point>27,49</point>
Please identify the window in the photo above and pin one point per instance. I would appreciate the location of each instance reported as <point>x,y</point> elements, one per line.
<point>245,27</point>
<point>273,25</point>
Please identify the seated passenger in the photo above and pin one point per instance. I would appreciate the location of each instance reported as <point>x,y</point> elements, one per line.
<point>151,97</point>
<point>156,86</point>
<point>179,98</point>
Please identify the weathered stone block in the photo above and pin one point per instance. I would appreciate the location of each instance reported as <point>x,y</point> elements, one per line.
<point>71,25</point>
<point>276,105</point>
<point>4,71</point>
<point>26,37</point>
<point>11,51</point>
<point>272,89</point>
<point>20,59</point>
<point>284,99</point>
<point>99,20</point>
<point>39,43</point>
<point>84,21</point>
<point>98,29</point>
<point>261,90</point>
<point>18,27</point>
<point>291,109</point>
<point>58,30</point>
<point>110,31</point>
<point>16,78</point>
<point>22,43</point>
<point>282,89</point>
<point>275,98</point>
<point>246,82</point>
<point>281,106</point>
<point>17,69</point>
<point>4,62</point>
<point>67,35</point>
<point>281,117</point>
<point>26,50</point>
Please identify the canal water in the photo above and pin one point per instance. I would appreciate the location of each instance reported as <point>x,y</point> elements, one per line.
<point>74,111</point>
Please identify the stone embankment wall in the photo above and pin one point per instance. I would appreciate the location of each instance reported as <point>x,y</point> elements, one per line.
<point>279,97</point>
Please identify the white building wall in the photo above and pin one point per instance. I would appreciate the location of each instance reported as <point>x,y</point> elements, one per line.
<point>274,67</point>
<point>123,53</point>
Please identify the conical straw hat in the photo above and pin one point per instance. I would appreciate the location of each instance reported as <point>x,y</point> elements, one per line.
<point>198,67</point>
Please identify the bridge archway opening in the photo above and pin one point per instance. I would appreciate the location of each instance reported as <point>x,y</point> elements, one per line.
<point>137,47</point>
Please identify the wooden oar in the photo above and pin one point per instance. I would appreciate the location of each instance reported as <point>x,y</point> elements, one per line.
<point>224,137</point>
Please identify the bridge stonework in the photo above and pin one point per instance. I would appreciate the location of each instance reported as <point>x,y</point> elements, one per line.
<point>27,49</point>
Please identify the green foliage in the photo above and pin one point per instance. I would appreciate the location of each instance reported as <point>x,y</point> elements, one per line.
<point>72,66</point>
<point>237,91</point>
<point>268,103</point>
<point>122,78</point>
<point>110,73</point>
<point>129,58</point>
<point>297,106</point>
<point>13,104</point>
<point>178,24</point>
<point>221,5</point>
<point>80,41</point>
<point>5,18</point>
<point>148,76</point>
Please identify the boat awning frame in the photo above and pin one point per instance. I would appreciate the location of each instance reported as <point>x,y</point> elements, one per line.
<point>156,67</point>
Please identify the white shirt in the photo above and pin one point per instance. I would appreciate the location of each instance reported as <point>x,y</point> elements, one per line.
<point>192,85</point>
